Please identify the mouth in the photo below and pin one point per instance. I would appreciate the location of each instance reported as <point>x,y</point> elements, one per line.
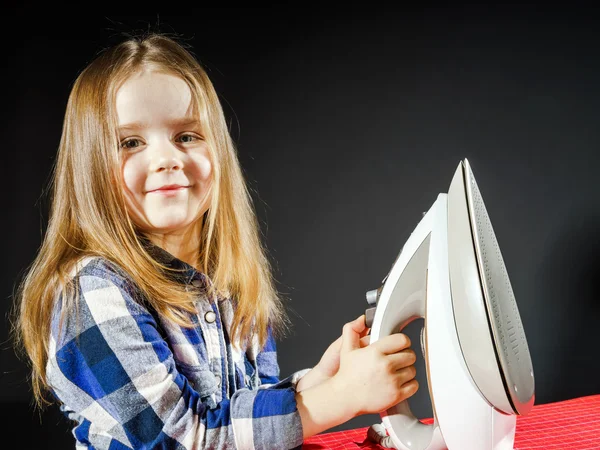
<point>171,189</point>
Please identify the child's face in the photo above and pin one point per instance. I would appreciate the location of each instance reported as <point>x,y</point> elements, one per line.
<point>165,160</point>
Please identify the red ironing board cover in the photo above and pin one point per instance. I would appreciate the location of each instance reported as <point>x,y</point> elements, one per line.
<point>565,425</point>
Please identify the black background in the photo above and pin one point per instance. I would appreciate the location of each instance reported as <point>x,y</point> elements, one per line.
<point>349,123</point>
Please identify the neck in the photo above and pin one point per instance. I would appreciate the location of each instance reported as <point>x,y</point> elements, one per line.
<point>183,244</point>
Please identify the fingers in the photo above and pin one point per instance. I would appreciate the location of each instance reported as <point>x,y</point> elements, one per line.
<point>398,361</point>
<point>402,364</point>
<point>365,332</point>
<point>365,341</point>
<point>352,333</point>
<point>410,388</point>
<point>393,343</point>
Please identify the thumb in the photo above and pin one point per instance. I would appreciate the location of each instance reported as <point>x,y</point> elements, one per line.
<point>351,334</point>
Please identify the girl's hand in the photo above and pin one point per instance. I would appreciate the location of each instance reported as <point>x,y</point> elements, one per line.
<point>377,376</point>
<point>330,361</point>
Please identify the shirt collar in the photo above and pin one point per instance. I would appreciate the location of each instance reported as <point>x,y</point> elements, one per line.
<point>182,271</point>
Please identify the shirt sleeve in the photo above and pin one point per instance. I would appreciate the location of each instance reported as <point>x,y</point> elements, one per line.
<point>268,367</point>
<point>116,377</point>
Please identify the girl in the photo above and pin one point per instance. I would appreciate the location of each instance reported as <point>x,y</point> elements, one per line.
<point>150,313</point>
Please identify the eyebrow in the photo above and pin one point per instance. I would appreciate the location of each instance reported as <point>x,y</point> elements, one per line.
<point>177,122</point>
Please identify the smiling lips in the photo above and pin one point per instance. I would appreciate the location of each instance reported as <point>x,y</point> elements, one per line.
<point>169,190</point>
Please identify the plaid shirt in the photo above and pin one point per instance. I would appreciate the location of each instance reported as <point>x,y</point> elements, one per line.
<point>131,380</point>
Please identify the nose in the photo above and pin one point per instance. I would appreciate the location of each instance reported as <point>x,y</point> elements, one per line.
<point>166,157</point>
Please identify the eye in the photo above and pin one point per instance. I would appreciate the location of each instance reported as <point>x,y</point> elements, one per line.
<point>188,138</point>
<point>125,144</point>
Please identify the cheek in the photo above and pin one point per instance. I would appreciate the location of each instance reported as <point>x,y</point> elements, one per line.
<point>133,177</point>
<point>133,188</point>
<point>202,169</point>
<point>206,170</point>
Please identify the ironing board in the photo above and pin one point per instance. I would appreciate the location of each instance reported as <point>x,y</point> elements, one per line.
<point>564,425</point>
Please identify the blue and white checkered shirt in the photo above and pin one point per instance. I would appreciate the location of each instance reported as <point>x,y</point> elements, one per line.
<point>131,380</point>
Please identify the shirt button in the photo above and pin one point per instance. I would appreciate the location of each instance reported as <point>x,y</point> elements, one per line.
<point>210,316</point>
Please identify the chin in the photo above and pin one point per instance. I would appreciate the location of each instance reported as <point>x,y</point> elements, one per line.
<point>169,225</point>
<point>171,228</point>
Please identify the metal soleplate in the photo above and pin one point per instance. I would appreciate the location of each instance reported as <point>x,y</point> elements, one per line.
<point>505,327</point>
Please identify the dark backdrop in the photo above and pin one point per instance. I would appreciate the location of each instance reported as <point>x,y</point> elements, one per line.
<point>349,123</point>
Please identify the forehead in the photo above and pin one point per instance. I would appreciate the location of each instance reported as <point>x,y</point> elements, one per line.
<point>152,97</point>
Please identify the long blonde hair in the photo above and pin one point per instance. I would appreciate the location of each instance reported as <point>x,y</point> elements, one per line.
<point>88,216</point>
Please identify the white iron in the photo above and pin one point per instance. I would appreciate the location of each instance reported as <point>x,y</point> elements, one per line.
<point>450,272</point>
